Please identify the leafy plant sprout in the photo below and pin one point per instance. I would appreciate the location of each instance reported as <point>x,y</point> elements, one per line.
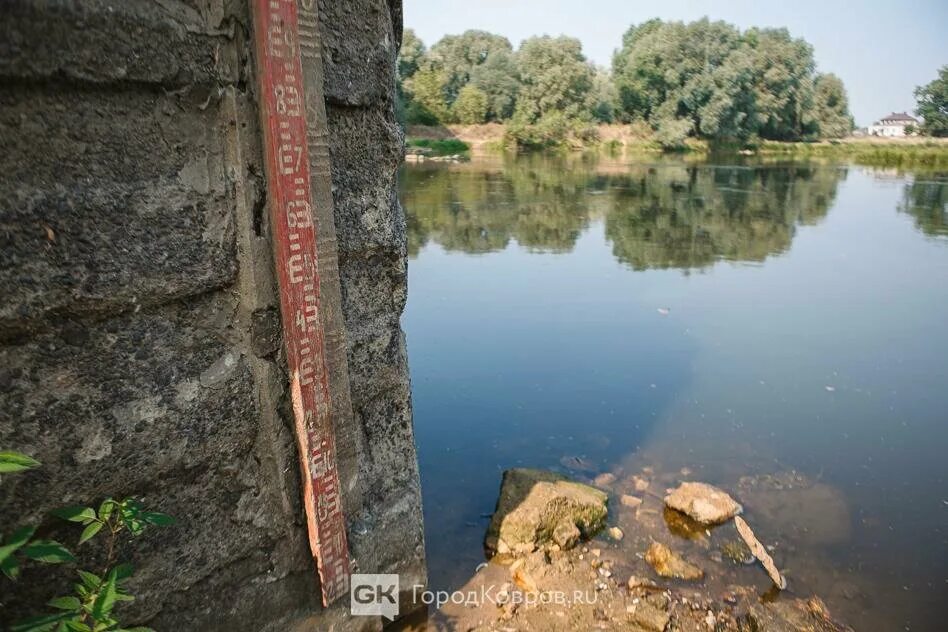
<point>91,606</point>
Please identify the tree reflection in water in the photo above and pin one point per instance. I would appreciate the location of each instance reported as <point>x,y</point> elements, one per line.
<point>663,215</point>
<point>926,199</point>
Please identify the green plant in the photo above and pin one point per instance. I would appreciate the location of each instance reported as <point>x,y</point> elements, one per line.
<point>440,147</point>
<point>15,462</point>
<point>91,606</point>
<point>19,544</point>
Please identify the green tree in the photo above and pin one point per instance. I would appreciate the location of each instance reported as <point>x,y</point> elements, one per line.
<point>729,111</point>
<point>681,78</point>
<point>555,77</point>
<point>556,83</point>
<point>783,84</point>
<point>831,107</point>
<point>603,97</point>
<point>410,55</point>
<point>471,106</point>
<point>457,56</point>
<point>707,79</point>
<point>933,104</point>
<point>499,79</point>
<point>640,88</point>
<point>427,104</point>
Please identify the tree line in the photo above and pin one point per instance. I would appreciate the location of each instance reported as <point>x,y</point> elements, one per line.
<point>704,79</point>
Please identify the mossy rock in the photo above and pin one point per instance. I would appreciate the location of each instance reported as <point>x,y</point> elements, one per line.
<point>533,503</point>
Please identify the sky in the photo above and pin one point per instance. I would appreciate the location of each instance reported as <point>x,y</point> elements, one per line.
<point>881,50</point>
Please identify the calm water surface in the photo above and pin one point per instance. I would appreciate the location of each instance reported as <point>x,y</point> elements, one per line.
<point>735,320</point>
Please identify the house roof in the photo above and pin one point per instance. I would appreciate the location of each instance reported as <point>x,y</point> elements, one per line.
<point>900,116</point>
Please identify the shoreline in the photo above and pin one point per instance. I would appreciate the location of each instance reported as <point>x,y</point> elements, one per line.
<point>611,579</point>
<point>491,138</point>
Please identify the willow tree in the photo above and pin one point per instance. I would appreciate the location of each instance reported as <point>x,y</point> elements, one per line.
<point>831,107</point>
<point>933,104</point>
<point>499,79</point>
<point>471,106</point>
<point>709,80</point>
<point>410,55</point>
<point>783,84</point>
<point>458,56</point>
<point>555,78</point>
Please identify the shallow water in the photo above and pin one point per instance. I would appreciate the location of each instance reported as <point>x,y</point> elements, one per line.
<point>735,320</point>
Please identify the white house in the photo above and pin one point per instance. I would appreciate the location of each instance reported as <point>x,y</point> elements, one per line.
<point>893,125</point>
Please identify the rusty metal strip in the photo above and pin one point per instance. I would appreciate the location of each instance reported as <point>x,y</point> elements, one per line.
<point>281,100</point>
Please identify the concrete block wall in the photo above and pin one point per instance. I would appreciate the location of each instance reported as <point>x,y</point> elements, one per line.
<point>140,350</point>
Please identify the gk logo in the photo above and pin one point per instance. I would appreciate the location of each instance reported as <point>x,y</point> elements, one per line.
<point>374,595</point>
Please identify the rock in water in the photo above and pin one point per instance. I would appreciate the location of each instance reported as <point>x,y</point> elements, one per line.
<point>605,480</point>
<point>812,514</point>
<point>578,464</point>
<point>667,563</point>
<point>702,502</point>
<point>793,616</point>
<point>639,483</point>
<point>535,506</point>
<point>760,552</point>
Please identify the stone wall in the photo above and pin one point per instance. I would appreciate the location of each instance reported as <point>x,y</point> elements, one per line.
<point>140,350</point>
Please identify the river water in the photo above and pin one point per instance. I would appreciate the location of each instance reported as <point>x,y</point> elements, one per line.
<point>783,322</point>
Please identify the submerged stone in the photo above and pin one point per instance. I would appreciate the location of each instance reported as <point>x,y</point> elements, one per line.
<point>667,563</point>
<point>578,464</point>
<point>702,502</point>
<point>683,526</point>
<point>605,479</point>
<point>806,513</point>
<point>793,615</point>
<point>737,552</point>
<point>536,509</point>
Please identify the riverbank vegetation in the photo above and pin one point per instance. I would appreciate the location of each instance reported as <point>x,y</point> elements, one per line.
<point>933,104</point>
<point>437,146</point>
<point>701,86</point>
<point>702,80</point>
<point>637,139</point>
<point>891,153</point>
<point>90,607</point>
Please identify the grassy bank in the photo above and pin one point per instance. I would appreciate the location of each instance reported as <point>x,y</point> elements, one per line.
<point>635,139</point>
<point>437,147</point>
<point>895,152</point>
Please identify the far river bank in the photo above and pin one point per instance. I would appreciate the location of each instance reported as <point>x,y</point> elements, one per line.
<point>463,141</point>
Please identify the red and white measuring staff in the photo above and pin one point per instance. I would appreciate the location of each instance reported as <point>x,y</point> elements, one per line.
<point>283,115</point>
